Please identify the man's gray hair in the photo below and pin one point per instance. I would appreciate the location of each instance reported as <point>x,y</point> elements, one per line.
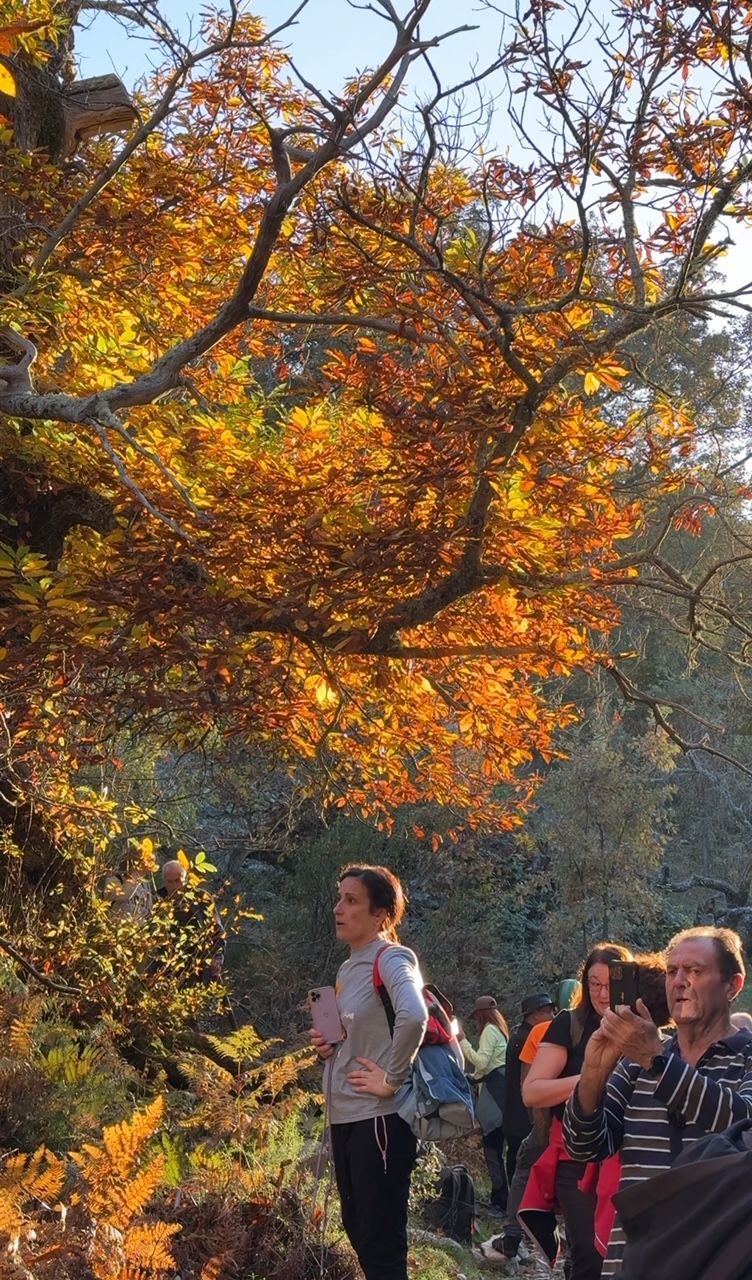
<point>172,864</point>
<point>728,945</point>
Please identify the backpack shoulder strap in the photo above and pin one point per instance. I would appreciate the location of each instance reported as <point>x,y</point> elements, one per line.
<point>380,989</point>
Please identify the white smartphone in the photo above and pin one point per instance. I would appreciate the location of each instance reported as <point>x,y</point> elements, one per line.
<point>325,1014</point>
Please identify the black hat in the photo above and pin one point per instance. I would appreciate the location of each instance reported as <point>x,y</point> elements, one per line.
<point>532,1003</point>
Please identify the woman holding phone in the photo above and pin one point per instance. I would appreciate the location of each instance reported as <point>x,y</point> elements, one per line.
<point>551,1079</point>
<point>373,1149</point>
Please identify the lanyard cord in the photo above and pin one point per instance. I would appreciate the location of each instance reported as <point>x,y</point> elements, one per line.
<point>325,1151</point>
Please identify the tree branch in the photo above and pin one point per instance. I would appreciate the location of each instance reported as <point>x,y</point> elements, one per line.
<point>60,987</point>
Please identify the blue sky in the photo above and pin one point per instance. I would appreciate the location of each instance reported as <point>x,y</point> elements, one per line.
<point>330,41</point>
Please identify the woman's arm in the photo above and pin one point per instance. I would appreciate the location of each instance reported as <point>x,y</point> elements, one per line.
<point>403,981</point>
<point>480,1059</point>
<point>544,1085</point>
<point>401,976</point>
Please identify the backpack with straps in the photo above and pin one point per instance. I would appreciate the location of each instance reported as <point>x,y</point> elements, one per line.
<point>693,1221</point>
<point>437,1101</point>
<point>453,1211</point>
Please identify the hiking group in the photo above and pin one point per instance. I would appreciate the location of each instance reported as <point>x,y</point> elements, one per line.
<point>617,1133</point>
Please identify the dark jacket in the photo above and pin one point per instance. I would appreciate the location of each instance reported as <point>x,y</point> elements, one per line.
<point>693,1222</point>
<point>516,1116</point>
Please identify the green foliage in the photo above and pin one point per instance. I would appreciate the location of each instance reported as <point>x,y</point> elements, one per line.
<point>602,822</point>
<point>58,1083</point>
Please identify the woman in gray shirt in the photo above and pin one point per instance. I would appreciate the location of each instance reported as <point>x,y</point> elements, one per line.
<point>372,1147</point>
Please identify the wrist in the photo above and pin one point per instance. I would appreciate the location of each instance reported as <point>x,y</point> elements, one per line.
<point>652,1051</point>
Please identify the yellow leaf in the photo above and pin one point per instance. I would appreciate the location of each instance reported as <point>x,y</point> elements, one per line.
<point>7,83</point>
<point>591,383</point>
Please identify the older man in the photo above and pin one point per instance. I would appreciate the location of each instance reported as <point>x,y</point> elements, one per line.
<point>665,1094</point>
<point>198,934</point>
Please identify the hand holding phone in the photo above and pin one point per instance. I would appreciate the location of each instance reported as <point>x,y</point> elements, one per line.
<point>623,983</point>
<point>325,1014</point>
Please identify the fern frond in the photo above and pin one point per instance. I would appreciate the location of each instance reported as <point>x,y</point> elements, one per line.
<point>12,1171</point>
<point>44,1183</point>
<point>149,1246</point>
<point>212,1270</point>
<point>241,1046</point>
<point>10,1217</point>
<point>21,1028</point>
<point>124,1142</point>
<point>206,1077</point>
<point>121,1204</point>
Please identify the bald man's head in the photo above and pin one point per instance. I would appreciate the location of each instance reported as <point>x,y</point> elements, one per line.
<point>174,876</point>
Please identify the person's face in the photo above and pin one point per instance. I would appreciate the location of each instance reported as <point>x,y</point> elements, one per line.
<point>597,981</point>
<point>695,989</point>
<point>354,921</point>
<point>173,879</point>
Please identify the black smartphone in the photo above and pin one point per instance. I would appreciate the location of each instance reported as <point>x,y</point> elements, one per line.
<point>623,983</point>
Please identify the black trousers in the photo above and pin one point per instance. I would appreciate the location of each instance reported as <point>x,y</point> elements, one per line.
<point>578,1211</point>
<point>510,1157</point>
<point>493,1150</point>
<point>529,1151</point>
<point>373,1161</point>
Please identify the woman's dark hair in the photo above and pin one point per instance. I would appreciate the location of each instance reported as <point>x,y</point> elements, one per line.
<point>484,1016</point>
<point>384,894</point>
<point>603,953</point>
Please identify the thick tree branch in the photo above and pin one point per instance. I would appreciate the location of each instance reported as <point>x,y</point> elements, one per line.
<point>60,987</point>
<point>735,896</point>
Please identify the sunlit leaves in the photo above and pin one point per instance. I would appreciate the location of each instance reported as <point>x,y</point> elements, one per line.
<point>343,473</point>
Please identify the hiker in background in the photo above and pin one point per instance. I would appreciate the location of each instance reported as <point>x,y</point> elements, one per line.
<point>373,1149</point>
<point>537,1010</point>
<point>488,1063</point>
<point>649,1098</point>
<point>553,1076</point>
<point>537,1013</point>
<point>197,933</point>
<point>742,1021</point>
<point>569,993</point>
<point>128,896</point>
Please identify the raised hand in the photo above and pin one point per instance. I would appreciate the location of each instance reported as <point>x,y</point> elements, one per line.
<point>633,1035</point>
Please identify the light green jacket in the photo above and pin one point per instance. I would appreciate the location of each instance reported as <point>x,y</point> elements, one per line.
<point>490,1054</point>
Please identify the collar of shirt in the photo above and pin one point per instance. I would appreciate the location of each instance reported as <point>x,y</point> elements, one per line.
<point>734,1042</point>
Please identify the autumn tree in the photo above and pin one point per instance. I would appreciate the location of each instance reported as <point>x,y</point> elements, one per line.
<point>380,576</point>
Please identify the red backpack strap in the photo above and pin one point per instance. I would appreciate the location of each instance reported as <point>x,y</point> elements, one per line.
<point>380,989</point>
<point>377,979</point>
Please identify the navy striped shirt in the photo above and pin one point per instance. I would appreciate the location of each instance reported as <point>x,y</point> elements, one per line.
<point>647,1118</point>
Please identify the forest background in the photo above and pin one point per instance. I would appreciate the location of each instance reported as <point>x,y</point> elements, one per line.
<point>371,489</point>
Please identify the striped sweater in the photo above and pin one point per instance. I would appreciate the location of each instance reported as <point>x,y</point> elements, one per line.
<point>647,1118</point>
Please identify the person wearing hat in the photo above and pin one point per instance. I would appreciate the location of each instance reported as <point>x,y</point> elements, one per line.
<point>537,1009</point>
<point>488,1064</point>
<point>523,1147</point>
